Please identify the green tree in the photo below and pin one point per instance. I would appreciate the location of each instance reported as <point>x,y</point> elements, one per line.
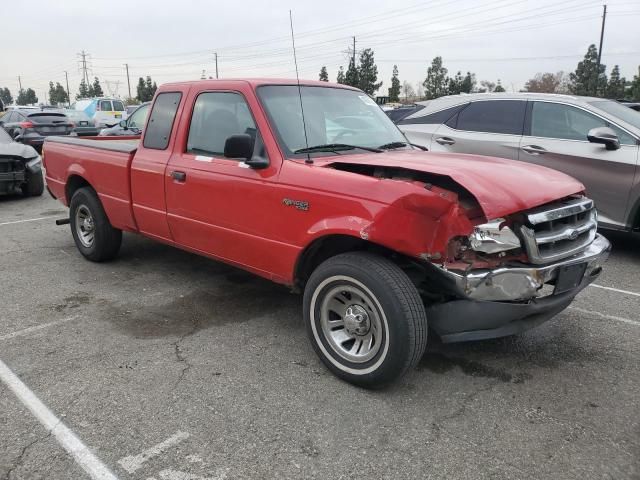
<point>340,77</point>
<point>454,84</point>
<point>499,87</point>
<point>5,96</point>
<point>141,90</point>
<point>57,94</point>
<point>436,84</point>
<point>588,79</point>
<point>151,88</point>
<point>487,86</point>
<point>84,90</point>
<point>469,83</point>
<point>394,89</point>
<point>616,84</point>
<point>352,77</point>
<point>324,76</point>
<point>27,97</point>
<point>146,89</point>
<point>368,73</point>
<point>635,86</point>
<point>96,90</point>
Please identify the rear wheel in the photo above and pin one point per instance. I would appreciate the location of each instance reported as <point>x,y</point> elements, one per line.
<point>34,187</point>
<point>365,318</point>
<point>92,232</point>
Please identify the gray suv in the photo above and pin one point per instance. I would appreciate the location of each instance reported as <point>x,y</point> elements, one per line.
<point>594,140</point>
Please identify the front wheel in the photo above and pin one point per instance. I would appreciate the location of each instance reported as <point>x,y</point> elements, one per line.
<point>365,318</point>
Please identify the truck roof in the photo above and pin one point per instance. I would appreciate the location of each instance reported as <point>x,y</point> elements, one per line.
<point>256,82</point>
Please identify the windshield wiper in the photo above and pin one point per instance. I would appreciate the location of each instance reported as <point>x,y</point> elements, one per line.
<point>392,145</point>
<point>335,147</point>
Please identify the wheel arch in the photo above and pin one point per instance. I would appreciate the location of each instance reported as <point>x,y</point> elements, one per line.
<point>329,245</point>
<point>74,182</point>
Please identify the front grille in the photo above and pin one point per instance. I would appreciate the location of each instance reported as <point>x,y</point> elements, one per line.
<point>558,230</point>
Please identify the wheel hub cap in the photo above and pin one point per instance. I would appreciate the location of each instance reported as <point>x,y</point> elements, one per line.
<point>356,320</point>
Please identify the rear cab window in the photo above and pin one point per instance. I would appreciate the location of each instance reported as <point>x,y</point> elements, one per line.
<point>118,106</point>
<point>161,120</point>
<point>491,116</point>
<point>105,105</point>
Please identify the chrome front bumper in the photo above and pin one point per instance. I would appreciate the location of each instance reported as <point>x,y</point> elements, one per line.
<point>521,283</point>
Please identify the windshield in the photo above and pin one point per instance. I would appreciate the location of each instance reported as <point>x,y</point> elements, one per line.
<point>619,110</point>
<point>332,116</point>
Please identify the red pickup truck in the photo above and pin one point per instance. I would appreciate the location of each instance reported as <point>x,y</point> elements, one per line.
<point>312,186</point>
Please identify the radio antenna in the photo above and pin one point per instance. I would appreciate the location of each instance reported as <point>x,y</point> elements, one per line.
<point>295,61</point>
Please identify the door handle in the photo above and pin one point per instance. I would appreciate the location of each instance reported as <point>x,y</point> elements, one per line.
<point>533,149</point>
<point>445,141</point>
<point>178,176</point>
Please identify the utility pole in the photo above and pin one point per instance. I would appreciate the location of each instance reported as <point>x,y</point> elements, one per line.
<point>604,18</point>
<point>20,82</point>
<point>85,76</point>
<point>216,55</point>
<point>354,51</point>
<point>66,76</point>
<point>126,65</point>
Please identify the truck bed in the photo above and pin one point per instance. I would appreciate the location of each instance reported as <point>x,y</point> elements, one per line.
<point>102,162</point>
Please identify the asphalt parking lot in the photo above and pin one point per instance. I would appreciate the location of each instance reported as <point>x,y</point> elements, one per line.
<point>167,366</point>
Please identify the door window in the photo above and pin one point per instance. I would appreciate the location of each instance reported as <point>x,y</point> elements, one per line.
<point>493,116</point>
<point>555,120</point>
<point>105,105</point>
<point>216,116</point>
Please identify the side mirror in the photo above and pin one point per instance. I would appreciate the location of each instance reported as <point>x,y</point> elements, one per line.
<point>123,124</point>
<point>17,138</point>
<point>605,136</point>
<point>241,146</point>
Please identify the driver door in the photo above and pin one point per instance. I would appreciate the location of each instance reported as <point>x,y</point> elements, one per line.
<point>217,205</point>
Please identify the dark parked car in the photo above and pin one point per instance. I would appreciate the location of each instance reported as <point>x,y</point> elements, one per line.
<point>32,126</point>
<point>83,125</point>
<point>20,168</point>
<point>133,125</point>
<point>633,105</point>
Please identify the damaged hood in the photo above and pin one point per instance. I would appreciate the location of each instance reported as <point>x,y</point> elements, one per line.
<point>15,149</point>
<point>500,186</point>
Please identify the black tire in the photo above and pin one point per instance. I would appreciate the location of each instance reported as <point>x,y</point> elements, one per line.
<point>34,187</point>
<point>106,240</point>
<point>395,302</point>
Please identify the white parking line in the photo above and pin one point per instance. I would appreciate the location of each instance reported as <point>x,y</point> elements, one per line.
<point>134,462</point>
<point>65,437</point>
<point>608,317</point>
<point>626,292</point>
<point>27,220</point>
<point>35,328</point>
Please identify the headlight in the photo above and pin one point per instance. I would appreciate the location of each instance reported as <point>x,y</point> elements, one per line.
<point>34,162</point>
<point>490,238</point>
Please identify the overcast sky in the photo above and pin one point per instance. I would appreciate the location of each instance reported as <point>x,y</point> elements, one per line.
<point>509,40</point>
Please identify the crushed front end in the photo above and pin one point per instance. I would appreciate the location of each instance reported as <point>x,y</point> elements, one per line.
<point>514,273</point>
